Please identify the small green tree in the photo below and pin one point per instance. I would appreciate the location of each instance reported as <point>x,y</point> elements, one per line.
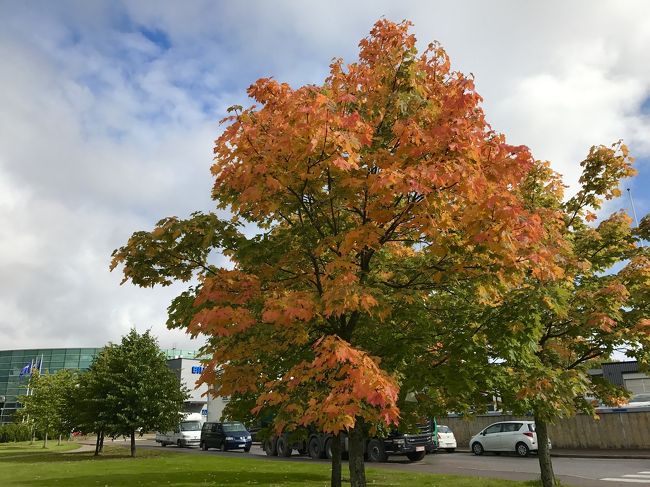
<point>47,405</point>
<point>92,413</point>
<point>129,388</point>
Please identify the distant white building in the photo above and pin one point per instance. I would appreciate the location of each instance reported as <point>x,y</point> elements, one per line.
<point>188,371</point>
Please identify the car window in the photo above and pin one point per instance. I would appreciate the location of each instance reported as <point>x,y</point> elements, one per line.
<point>511,427</point>
<point>531,427</point>
<point>443,429</point>
<point>190,425</point>
<point>495,428</point>
<point>232,427</point>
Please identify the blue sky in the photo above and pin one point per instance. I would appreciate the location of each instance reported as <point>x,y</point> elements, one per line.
<point>109,110</point>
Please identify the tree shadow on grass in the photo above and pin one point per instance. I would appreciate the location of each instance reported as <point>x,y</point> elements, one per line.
<point>187,478</point>
<point>45,457</point>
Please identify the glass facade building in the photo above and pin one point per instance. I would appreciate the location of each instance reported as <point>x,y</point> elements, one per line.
<point>12,362</point>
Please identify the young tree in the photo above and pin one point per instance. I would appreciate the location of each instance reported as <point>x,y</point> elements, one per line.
<point>372,191</point>
<point>129,388</point>
<point>47,405</point>
<point>540,340</point>
<point>598,308</point>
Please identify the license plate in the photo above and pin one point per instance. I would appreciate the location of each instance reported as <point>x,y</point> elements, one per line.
<point>241,446</point>
<point>419,448</point>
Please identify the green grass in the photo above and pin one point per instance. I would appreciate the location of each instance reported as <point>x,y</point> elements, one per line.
<point>25,447</point>
<point>30,467</point>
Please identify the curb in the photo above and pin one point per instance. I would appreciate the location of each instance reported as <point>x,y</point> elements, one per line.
<point>622,456</point>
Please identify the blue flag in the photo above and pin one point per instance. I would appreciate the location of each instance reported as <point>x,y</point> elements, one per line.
<point>26,370</point>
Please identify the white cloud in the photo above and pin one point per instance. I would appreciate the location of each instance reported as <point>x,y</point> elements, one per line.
<point>103,130</point>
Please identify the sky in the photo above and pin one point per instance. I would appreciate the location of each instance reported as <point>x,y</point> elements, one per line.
<point>109,111</point>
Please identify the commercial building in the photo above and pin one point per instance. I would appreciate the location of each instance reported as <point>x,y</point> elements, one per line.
<point>624,374</point>
<point>14,380</point>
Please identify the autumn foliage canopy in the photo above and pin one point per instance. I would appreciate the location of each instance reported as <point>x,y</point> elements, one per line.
<point>374,191</point>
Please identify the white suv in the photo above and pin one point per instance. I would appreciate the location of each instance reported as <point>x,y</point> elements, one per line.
<point>508,436</point>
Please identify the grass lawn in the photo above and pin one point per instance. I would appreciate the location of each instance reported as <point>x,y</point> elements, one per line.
<point>24,447</point>
<point>29,466</point>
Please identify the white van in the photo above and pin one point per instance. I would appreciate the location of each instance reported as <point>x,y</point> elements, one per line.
<point>187,432</point>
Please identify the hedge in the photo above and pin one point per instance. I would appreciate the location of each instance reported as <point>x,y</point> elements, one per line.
<point>15,432</point>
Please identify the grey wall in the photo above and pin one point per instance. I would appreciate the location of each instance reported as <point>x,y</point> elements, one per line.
<point>613,430</point>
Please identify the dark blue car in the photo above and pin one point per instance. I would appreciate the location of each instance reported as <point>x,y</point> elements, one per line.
<point>225,436</point>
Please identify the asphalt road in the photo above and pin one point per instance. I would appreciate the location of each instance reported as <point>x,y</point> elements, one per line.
<point>598,472</point>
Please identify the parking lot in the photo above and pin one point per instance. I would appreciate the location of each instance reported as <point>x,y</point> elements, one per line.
<point>571,471</point>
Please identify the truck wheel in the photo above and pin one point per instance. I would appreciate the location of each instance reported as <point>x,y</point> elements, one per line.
<point>247,449</point>
<point>376,451</point>
<point>162,443</point>
<point>284,448</point>
<point>450,450</point>
<point>315,448</point>
<point>179,444</point>
<point>270,447</point>
<point>204,446</point>
<point>303,450</point>
<point>328,448</point>
<point>223,446</point>
<point>415,456</point>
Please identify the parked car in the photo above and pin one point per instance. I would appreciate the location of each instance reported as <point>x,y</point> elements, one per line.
<point>507,436</point>
<point>187,433</point>
<point>225,436</point>
<point>446,438</point>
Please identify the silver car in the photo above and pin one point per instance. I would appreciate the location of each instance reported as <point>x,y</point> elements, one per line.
<point>507,436</point>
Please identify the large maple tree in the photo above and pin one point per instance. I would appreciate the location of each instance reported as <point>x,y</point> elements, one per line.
<point>369,194</point>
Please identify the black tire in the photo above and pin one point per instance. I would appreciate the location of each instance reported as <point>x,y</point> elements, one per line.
<point>270,447</point>
<point>315,450</point>
<point>162,443</point>
<point>204,447</point>
<point>328,448</point>
<point>303,450</point>
<point>522,449</point>
<point>283,446</point>
<point>179,444</point>
<point>247,449</point>
<point>223,446</point>
<point>477,449</point>
<point>415,456</point>
<point>376,451</point>
<point>450,450</point>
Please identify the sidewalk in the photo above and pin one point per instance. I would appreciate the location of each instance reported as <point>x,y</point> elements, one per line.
<point>575,453</point>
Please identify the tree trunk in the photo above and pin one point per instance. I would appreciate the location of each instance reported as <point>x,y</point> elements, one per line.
<point>101,443</point>
<point>544,454</point>
<point>45,440</point>
<point>59,442</point>
<point>357,468</point>
<point>336,461</point>
<point>99,434</point>
<point>133,443</point>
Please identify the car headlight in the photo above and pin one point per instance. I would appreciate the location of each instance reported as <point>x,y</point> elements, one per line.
<point>229,438</point>
<point>399,442</point>
<point>249,437</point>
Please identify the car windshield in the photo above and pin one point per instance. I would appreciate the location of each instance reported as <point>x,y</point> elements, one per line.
<point>232,427</point>
<point>641,398</point>
<point>190,426</point>
<point>443,429</point>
